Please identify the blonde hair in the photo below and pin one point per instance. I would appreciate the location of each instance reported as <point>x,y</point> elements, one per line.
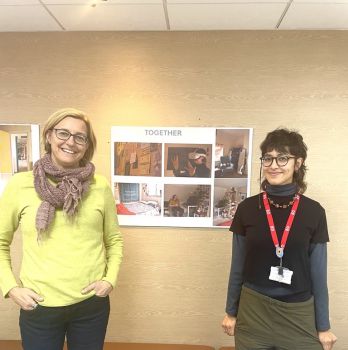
<point>61,114</point>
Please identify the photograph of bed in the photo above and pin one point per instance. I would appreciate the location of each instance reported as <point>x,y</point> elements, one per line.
<point>149,208</point>
<point>138,199</point>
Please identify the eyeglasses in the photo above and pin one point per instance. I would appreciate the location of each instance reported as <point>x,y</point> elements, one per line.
<point>65,135</point>
<point>280,160</point>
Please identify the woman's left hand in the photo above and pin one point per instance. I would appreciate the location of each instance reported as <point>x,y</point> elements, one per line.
<point>101,288</point>
<point>327,339</point>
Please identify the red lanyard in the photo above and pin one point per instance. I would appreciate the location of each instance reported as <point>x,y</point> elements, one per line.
<point>280,249</point>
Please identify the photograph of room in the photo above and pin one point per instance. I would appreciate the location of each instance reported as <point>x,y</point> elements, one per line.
<point>15,150</point>
<point>187,160</point>
<point>137,159</point>
<point>186,200</point>
<point>231,153</point>
<point>227,195</point>
<point>138,199</point>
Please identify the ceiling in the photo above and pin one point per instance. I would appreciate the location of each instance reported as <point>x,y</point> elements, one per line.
<point>173,15</point>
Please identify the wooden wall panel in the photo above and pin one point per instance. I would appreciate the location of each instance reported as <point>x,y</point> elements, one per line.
<point>172,284</point>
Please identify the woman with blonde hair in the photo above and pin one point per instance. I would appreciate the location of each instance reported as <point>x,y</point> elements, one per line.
<point>72,246</point>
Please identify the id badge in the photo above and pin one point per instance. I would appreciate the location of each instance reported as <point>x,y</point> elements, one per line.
<point>280,274</point>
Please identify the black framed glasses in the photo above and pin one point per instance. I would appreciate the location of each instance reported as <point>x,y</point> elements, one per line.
<point>63,134</point>
<point>281,160</point>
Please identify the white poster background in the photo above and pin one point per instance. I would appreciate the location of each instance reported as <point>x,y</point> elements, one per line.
<point>205,136</point>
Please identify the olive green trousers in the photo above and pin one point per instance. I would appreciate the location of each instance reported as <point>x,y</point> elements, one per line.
<point>264,323</point>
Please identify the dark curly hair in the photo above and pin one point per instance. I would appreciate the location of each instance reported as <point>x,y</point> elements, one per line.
<point>287,141</point>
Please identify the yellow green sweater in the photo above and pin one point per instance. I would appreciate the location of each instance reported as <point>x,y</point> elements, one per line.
<point>72,254</point>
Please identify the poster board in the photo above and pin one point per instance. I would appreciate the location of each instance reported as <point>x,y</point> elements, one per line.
<point>179,176</point>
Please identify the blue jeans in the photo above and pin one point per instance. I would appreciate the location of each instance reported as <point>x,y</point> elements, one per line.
<point>84,325</point>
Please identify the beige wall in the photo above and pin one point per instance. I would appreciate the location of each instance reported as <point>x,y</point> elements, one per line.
<point>172,284</point>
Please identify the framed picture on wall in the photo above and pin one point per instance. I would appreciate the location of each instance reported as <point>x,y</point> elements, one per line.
<point>180,176</point>
<point>19,149</point>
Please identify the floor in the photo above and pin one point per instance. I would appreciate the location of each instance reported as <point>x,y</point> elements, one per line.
<point>16,345</point>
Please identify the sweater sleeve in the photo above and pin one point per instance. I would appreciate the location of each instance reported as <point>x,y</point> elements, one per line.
<point>9,222</point>
<point>112,238</point>
<point>318,261</point>
<point>236,275</point>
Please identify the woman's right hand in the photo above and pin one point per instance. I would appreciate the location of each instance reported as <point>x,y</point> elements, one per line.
<point>228,324</point>
<point>26,298</point>
<point>327,339</point>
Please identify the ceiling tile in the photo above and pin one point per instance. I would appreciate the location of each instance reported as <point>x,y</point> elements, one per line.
<point>19,2</point>
<point>110,17</point>
<point>321,1</point>
<point>224,1</point>
<point>96,2</point>
<point>224,16</point>
<point>316,16</point>
<point>26,19</point>
<point>140,2</point>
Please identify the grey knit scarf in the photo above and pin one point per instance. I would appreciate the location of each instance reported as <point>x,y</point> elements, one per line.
<point>71,185</point>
